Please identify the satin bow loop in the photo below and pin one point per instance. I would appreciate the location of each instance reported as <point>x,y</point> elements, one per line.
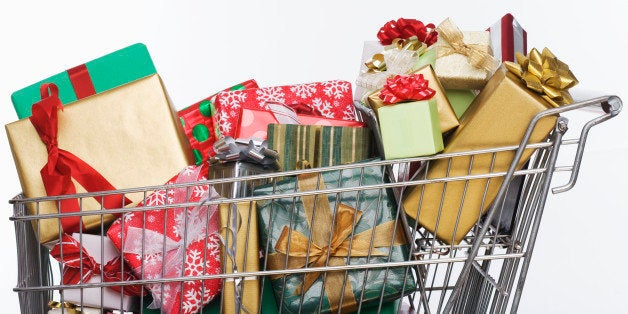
<point>406,28</point>
<point>247,150</point>
<point>543,73</point>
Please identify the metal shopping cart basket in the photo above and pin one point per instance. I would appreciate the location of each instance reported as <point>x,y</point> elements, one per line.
<point>337,239</point>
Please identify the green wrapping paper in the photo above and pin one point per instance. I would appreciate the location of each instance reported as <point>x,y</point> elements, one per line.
<point>377,210</point>
<point>305,146</point>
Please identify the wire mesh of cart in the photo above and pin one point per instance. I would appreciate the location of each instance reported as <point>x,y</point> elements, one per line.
<point>334,239</point>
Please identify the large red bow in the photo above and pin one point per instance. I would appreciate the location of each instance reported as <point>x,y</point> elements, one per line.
<point>406,87</point>
<point>406,28</point>
<point>63,166</point>
<point>79,267</point>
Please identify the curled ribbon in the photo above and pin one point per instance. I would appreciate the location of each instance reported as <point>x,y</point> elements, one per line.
<point>79,267</point>
<point>170,254</point>
<point>295,249</point>
<point>478,58</point>
<point>63,166</point>
<point>544,74</point>
<point>247,150</point>
<point>406,87</point>
<point>406,28</point>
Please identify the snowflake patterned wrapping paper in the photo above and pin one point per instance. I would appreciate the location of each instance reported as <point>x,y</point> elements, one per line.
<point>304,146</point>
<point>128,134</point>
<point>191,243</point>
<point>333,99</point>
<point>200,123</point>
<point>238,225</point>
<point>378,216</point>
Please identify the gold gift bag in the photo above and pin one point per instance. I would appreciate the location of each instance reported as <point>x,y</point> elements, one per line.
<point>499,116</point>
<point>129,135</point>
<point>243,223</point>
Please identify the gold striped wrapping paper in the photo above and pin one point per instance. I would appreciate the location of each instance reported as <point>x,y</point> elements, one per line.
<point>304,146</point>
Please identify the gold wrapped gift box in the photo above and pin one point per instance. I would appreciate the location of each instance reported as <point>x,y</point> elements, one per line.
<point>246,255</point>
<point>499,116</point>
<point>129,134</point>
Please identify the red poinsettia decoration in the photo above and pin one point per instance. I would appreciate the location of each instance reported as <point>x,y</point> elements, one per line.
<point>406,87</point>
<point>406,28</point>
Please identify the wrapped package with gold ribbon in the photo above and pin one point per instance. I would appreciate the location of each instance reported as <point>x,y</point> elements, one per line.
<point>238,225</point>
<point>351,228</point>
<point>464,59</point>
<point>122,138</point>
<point>499,116</point>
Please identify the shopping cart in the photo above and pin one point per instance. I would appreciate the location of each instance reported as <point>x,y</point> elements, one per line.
<point>418,272</point>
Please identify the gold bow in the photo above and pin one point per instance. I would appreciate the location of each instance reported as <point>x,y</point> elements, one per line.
<point>304,253</point>
<point>67,307</point>
<point>377,62</point>
<point>544,74</point>
<point>477,57</point>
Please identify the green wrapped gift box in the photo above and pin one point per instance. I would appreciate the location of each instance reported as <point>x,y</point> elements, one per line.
<point>304,146</point>
<point>410,129</point>
<point>117,68</point>
<point>349,219</point>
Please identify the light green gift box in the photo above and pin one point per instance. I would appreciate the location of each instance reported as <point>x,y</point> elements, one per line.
<point>460,99</point>
<point>410,129</point>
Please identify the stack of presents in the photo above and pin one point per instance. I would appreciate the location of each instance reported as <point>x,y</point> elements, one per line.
<point>109,125</point>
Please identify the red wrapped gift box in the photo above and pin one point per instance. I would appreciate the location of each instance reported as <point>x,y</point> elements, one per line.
<point>200,124</point>
<point>192,235</point>
<point>508,38</point>
<point>333,99</point>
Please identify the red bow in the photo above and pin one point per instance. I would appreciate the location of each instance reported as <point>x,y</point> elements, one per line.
<point>301,108</point>
<point>406,28</point>
<point>77,261</point>
<point>406,87</point>
<point>63,166</point>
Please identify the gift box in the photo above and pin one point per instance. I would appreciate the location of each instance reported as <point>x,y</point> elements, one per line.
<point>363,219</point>
<point>82,256</point>
<point>305,146</point>
<point>333,99</point>
<point>460,100</point>
<point>238,223</point>
<point>464,59</point>
<point>254,123</point>
<point>419,118</point>
<point>71,308</point>
<point>446,114</point>
<point>122,138</point>
<point>175,242</point>
<point>499,116</point>
<point>508,38</point>
<point>200,123</point>
<point>112,70</point>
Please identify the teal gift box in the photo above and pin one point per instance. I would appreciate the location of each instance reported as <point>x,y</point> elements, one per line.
<point>364,220</point>
<point>410,129</point>
<point>107,72</point>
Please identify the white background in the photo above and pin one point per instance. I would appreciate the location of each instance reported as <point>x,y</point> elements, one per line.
<point>579,265</point>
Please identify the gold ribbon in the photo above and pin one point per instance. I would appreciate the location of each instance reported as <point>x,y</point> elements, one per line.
<point>377,62</point>
<point>304,253</point>
<point>477,57</point>
<point>67,307</point>
<point>544,74</point>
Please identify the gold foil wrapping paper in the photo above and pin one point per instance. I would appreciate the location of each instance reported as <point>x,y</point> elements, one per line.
<point>128,134</point>
<point>246,255</point>
<point>446,114</point>
<point>499,116</point>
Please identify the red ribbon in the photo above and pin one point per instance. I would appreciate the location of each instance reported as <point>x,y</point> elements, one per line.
<point>80,267</point>
<point>406,87</point>
<point>63,166</point>
<point>406,28</point>
<point>301,108</point>
<point>81,81</point>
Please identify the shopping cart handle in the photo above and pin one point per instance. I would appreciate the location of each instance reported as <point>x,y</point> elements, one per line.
<point>611,105</point>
